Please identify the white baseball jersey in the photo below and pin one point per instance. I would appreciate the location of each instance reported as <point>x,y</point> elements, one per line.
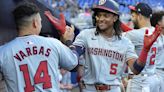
<point>137,38</point>
<point>30,63</point>
<point>160,61</point>
<point>105,58</point>
<point>160,50</point>
<point>149,82</point>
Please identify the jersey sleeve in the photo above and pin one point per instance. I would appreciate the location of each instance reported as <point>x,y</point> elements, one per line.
<point>80,39</point>
<point>81,60</point>
<point>67,59</point>
<point>133,36</point>
<point>130,53</point>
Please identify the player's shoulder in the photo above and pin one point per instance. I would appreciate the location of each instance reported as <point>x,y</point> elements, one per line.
<point>150,29</point>
<point>50,41</point>
<point>47,39</point>
<point>138,32</point>
<point>7,45</point>
<point>125,39</point>
<point>134,31</point>
<point>87,32</point>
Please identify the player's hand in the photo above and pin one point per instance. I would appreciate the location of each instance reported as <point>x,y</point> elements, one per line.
<point>69,34</point>
<point>69,86</point>
<point>59,24</point>
<point>150,39</point>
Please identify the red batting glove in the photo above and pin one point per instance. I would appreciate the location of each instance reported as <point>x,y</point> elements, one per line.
<point>148,42</point>
<point>59,24</point>
<point>125,28</point>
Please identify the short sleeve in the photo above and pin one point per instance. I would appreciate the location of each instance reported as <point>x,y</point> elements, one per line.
<point>81,60</point>
<point>67,59</point>
<point>133,36</point>
<point>130,53</point>
<point>80,39</point>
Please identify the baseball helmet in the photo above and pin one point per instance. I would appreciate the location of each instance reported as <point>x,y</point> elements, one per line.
<point>107,5</point>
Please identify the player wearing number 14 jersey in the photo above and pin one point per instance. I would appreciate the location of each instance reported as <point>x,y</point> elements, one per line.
<point>29,63</point>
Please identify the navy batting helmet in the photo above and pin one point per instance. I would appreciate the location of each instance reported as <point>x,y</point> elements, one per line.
<point>107,5</point>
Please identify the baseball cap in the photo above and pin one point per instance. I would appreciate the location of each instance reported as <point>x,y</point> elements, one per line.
<point>143,9</point>
<point>107,5</point>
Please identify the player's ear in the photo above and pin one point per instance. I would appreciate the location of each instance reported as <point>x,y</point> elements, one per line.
<point>140,16</point>
<point>115,18</point>
<point>34,23</point>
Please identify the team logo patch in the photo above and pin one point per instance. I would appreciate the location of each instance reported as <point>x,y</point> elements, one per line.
<point>101,2</point>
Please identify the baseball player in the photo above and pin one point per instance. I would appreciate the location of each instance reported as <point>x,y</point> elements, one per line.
<point>105,51</point>
<point>29,63</point>
<point>146,81</point>
<point>158,19</point>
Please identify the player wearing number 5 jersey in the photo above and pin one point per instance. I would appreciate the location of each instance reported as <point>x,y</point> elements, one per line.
<point>29,63</point>
<point>105,51</point>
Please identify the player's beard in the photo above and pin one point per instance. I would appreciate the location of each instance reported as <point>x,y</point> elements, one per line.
<point>136,25</point>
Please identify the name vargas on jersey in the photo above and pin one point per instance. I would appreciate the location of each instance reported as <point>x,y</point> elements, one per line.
<point>32,51</point>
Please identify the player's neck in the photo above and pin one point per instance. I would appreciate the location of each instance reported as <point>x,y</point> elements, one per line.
<point>144,24</point>
<point>108,33</point>
<point>26,31</point>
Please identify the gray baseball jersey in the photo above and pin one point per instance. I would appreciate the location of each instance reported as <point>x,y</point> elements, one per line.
<point>137,38</point>
<point>104,57</point>
<point>30,63</point>
<point>160,50</point>
<point>147,81</point>
<point>160,62</point>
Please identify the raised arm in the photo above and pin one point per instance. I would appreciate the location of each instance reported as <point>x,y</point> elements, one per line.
<point>59,24</point>
<point>138,65</point>
<point>66,32</point>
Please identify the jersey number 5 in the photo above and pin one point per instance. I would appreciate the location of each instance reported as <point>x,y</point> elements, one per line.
<point>113,68</point>
<point>41,76</point>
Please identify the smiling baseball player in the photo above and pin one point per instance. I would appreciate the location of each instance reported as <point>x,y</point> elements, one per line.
<point>105,51</point>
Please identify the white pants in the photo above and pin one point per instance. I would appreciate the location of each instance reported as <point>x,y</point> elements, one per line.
<point>91,88</point>
<point>141,83</point>
<point>160,75</point>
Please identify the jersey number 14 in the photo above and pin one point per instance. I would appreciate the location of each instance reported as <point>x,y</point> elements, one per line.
<point>41,76</point>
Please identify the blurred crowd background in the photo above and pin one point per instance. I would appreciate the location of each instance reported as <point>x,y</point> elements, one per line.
<point>79,12</point>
